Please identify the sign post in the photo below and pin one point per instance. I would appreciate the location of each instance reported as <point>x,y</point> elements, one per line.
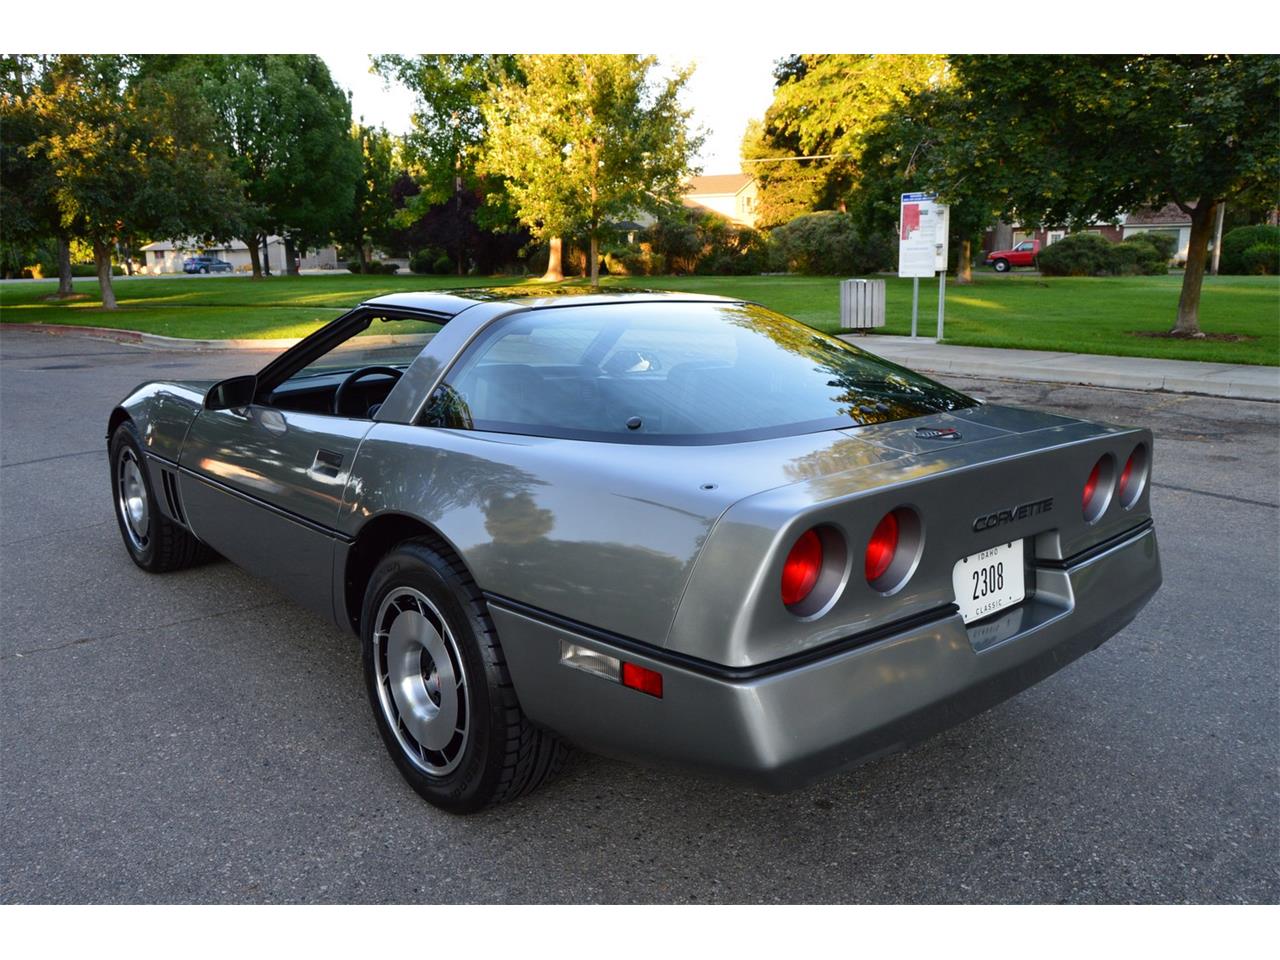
<point>922,247</point>
<point>915,303</point>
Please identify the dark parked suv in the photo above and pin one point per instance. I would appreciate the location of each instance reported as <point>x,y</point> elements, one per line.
<point>205,264</point>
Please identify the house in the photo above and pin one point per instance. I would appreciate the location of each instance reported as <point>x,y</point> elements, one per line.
<point>1169,219</point>
<point>166,256</point>
<point>731,195</point>
<point>1004,236</point>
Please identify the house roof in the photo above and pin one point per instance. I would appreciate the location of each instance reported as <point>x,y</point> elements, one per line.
<point>1167,216</point>
<point>722,183</point>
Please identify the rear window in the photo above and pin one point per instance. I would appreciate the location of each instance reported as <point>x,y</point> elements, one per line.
<point>675,373</point>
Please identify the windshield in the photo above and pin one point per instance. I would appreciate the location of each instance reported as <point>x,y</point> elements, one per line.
<point>673,373</point>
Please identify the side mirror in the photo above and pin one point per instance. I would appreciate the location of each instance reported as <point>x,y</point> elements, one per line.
<point>232,393</point>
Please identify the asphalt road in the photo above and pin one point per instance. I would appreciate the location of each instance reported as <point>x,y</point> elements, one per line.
<point>196,737</point>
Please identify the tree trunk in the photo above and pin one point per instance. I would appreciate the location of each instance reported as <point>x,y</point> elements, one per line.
<point>255,258</point>
<point>964,262</point>
<point>266,255</point>
<point>366,257</point>
<point>1188,324</point>
<point>555,265</point>
<point>65,288</point>
<point>290,256</point>
<point>102,257</point>
<point>595,262</point>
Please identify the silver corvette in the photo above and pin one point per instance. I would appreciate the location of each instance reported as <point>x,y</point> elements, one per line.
<point>661,527</point>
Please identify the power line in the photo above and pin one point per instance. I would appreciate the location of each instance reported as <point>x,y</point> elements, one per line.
<point>816,156</point>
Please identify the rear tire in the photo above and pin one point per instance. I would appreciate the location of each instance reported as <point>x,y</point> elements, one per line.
<point>438,684</point>
<point>155,543</point>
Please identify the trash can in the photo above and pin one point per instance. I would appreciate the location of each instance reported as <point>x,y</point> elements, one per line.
<point>861,304</point>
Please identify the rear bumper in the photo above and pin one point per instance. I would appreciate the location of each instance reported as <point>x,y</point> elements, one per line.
<point>777,729</point>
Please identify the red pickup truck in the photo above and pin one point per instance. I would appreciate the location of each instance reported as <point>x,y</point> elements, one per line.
<point>1020,255</point>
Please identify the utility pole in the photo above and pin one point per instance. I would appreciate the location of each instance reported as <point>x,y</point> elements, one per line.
<point>1217,237</point>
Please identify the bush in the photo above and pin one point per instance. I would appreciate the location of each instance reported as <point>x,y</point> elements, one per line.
<point>1166,243</point>
<point>1261,258</point>
<point>1078,255</point>
<point>1138,255</point>
<point>828,243</point>
<point>428,260</point>
<point>353,266</point>
<point>1237,241</point>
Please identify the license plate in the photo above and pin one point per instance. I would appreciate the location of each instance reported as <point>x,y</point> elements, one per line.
<point>989,581</point>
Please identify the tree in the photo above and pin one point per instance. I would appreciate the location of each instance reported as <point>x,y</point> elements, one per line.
<point>30,210</point>
<point>582,139</point>
<point>823,107</point>
<point>1072,140</point>
<point>373,208</point>
<point>929,143</point>
<point>449,130</point>
<point>129,156</point>
<point>285,128</point>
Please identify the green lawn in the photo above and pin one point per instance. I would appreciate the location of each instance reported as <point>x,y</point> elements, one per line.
<point>1080,315</point>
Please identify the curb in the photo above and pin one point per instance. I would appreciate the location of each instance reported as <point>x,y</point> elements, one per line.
<point>1224,380</point>
<point>155,339</point>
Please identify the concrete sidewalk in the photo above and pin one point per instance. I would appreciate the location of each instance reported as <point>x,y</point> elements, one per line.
<point>1235,380</point>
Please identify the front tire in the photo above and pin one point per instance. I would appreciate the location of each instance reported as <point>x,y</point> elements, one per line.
<point>1001,266</point>
<point>438,684</point>
<point>155,543</point>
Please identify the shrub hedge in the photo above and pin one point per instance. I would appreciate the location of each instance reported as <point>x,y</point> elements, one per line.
<point>1250,250</point>
<point>829,243</point>
<point>1093,255</point>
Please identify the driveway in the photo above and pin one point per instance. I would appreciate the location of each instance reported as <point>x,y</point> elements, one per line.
<point>196,737</point>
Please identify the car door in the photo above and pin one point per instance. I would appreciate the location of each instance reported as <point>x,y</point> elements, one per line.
<point>263,487</point>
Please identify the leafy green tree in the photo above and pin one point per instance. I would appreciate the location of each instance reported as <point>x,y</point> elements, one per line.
<point>583,139</point>
<point>823,108</point>
<point>929,143</point>
<point>372,220</point>
<point>130,156</point>
<point>1076,139</point>
<point>30,209</point>
<point>449,126</point>
<point>444,147</point>
<point>285,128</point>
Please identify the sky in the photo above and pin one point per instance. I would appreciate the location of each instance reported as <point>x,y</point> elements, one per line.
<point>725,91</point>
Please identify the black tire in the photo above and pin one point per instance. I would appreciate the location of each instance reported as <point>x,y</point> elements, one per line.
<point>1001,266</point>
<point>165,545</point>
<point>204,269</point>
<point>501,755</point>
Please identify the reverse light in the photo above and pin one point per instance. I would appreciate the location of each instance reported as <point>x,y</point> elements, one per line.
<point>1133,478</point>
<point>882,547</point>
<point>801,568</point>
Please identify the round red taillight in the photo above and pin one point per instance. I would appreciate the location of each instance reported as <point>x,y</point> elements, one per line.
<point>882,547</point>
<point>1091,485</point>
<point>1098,488</point>
<point>801,569</point>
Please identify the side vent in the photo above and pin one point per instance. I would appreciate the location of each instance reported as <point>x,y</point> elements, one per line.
<point>169,480</point>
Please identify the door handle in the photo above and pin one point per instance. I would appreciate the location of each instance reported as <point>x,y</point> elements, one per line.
<point>327,463</point>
